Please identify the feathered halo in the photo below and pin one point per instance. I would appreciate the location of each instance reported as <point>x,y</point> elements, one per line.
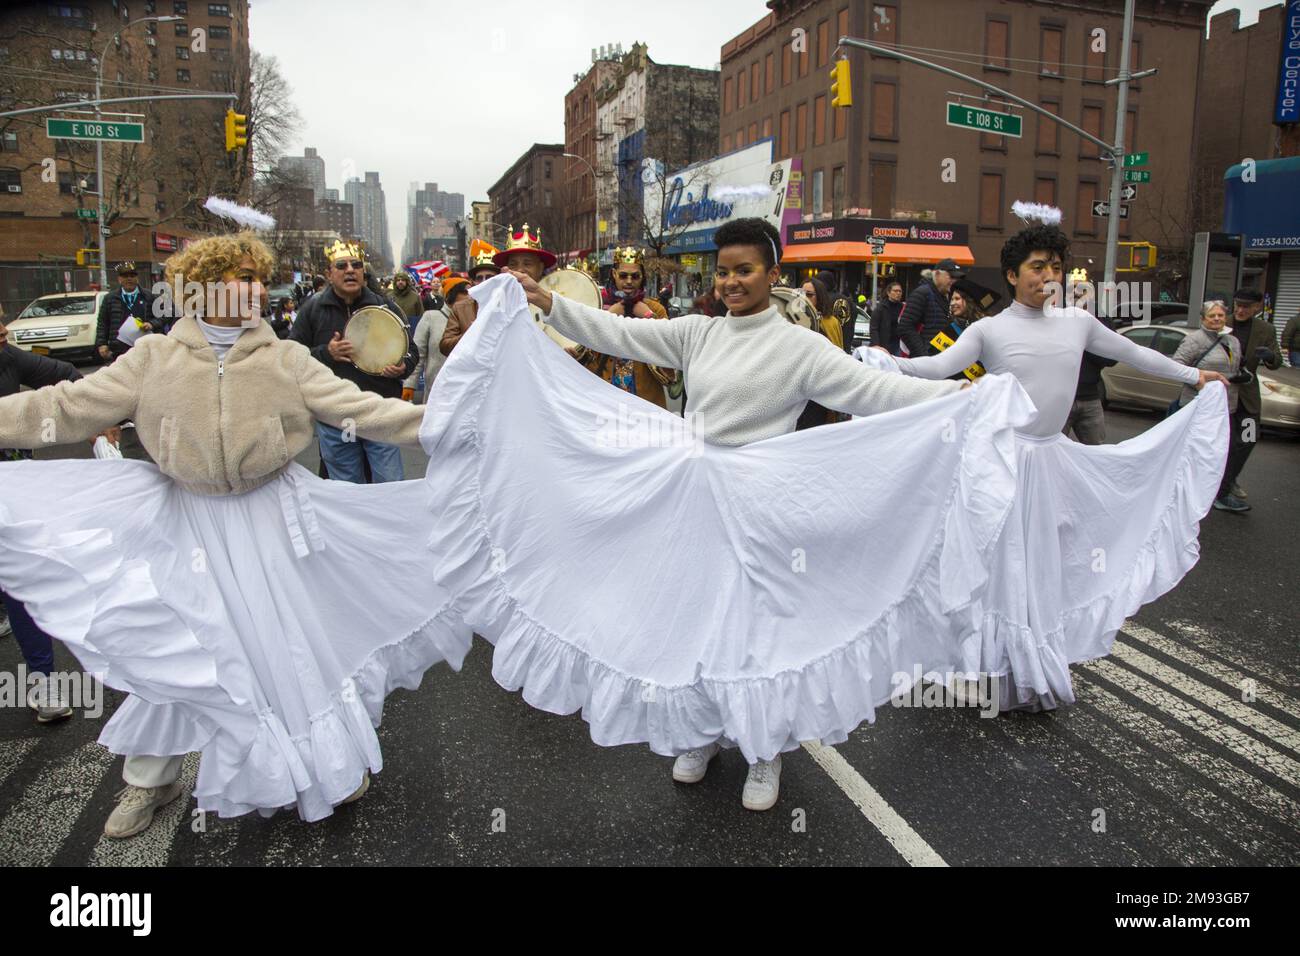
<point>1037,212</point>
<point>240,214</point>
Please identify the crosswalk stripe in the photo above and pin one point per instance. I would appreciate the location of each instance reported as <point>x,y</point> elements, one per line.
<point>35,827</point>
<point>1208,696</point>
<point>12,753</point>
<point>874,807</point>
<point>153,846</point>
<point>1275,697</point>
<point>1237,780</point>
<point>1201,636</point>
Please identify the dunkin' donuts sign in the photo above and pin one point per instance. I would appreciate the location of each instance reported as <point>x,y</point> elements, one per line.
<point>890,230</point>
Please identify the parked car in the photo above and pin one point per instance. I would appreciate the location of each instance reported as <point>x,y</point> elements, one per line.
<point>1165,313</point>
<point>1279,388</point>
<point>61,325</point>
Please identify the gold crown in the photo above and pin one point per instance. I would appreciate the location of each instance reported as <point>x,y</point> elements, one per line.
<point>1079,275</point>
<point>343,250</point>
<point>481,254</point>
<point>525,240</point>
<point>628,255</point>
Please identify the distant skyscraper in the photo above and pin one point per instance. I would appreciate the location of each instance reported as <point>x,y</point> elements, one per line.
<point>371,217</point>
<point>431,216</point>
<point>310,167</point>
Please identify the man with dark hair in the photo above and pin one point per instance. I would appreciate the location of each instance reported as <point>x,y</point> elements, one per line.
<point>839,307</point>
<point>925,313</point>
<point>1258,341</point>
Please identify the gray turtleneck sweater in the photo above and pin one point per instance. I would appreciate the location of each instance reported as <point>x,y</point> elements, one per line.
<point>748,376</point>
<point>1042,349</point>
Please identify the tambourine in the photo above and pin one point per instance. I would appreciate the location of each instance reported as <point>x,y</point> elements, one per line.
<point>379,339</point>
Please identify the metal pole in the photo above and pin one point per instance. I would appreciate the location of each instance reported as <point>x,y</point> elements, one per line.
<point>1117,153</point>
<point>101,239</point>
<point>68,107</point>
<point>875,278</point>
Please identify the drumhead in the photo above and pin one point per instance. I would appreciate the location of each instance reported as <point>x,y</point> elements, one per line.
<point>378,339</point>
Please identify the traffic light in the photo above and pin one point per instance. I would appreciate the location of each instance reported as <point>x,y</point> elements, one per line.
<point>88,257</point>
<point>1141,256</point>
<point>841,85</point>
<point>236,130</point>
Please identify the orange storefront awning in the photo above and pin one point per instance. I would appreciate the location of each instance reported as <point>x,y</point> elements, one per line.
<point>924,253</point>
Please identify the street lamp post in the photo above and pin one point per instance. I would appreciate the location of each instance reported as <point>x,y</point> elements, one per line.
<point>99,144</point>
<point>595,191</point>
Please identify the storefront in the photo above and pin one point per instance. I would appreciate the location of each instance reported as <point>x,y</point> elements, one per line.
<point>1262,203</point>
<point>844,247</point>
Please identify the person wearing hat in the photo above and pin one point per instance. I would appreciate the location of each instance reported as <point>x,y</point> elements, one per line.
<point>407,297</point>
<point>925,314</point>
<point>428,337</point>
<point>128,300</point>
<point>482,264</point>
<point>1258,344</point>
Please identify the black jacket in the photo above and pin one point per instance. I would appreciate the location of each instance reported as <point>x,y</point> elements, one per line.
<point>925,315</point>
<point>1090,367</point>
<point>884,324</point>
<point>113,312</point>
<point>324,314</point>
<point>18,368</point>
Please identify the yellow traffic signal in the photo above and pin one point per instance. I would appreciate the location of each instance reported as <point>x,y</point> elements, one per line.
<point>1141,256</point>
<point>841,85</point>
<point>236,130</point>
<point>88,257</point>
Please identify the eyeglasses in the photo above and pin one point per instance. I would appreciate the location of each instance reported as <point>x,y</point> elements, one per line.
<point>343,265</point>
<point>629,276</point>
<point>127,275</point>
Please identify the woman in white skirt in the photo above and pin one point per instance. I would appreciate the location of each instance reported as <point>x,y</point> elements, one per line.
<point>1099,530</point>
<point>681,581</point>
<point>254,613</point>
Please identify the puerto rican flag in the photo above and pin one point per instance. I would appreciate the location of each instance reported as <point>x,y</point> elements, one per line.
<point>427,270</point>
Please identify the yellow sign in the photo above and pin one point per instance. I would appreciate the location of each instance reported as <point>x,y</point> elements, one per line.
<point>603,226</point>
<point>690,260</point>
<point>943,341</point>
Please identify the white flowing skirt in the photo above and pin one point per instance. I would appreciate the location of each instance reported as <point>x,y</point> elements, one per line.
<point>678,592</point>
<point>263,630</point>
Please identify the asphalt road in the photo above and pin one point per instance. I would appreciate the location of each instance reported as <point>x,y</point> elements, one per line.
<point>1160,762</point>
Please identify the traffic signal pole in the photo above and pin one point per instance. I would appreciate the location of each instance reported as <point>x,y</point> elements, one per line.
<point>1117,152</point>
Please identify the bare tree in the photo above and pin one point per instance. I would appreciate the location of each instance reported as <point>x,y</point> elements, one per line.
<point>1172,217</point>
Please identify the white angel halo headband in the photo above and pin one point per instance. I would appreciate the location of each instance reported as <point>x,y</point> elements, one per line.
<point>1037,211</point>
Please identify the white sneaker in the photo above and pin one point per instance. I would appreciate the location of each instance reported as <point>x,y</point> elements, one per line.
<point>691,766</point>
<point>135,809</point>
<point>47,700</point>
<point>763,785</point>
<point>360,791</point>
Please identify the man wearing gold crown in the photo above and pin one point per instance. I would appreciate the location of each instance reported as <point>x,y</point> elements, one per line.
<point>320,326</point>
<point>627,297</point>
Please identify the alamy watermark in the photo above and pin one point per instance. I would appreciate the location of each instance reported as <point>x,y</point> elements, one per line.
<point>76,689</point>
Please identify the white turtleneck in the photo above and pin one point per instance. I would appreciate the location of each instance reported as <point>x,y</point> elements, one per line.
<point>1043,349</point>
<point>220,337</point>
<point>748,376</point>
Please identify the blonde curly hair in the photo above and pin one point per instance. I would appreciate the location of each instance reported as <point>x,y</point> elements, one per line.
<point>207,260</point>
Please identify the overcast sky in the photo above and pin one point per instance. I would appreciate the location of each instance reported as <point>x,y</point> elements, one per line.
<point>453,93</point>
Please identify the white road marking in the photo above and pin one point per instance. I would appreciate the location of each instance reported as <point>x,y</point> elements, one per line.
<point>35,827</point>
<point>1209,697</point>
<point>1237,780</point>
<point>154,845</point>
<point>1198,634</point>
<point>1275,697</point>
<point>12,753</point>
<point>883,817</point>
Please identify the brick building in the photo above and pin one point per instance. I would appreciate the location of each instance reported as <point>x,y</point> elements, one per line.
<point>530,191</point>
<point>578,190</point>
<point>153,190</point>
<point>775,83</point>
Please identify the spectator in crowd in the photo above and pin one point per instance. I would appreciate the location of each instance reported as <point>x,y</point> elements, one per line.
<point>281,320</point>
<point>1291,340</point>
<point>925,313</point>
<point>885,330</point>
<point>127,301</point>
<point>839,307</point>
<point>407,297</point>
<point>1257,340</point>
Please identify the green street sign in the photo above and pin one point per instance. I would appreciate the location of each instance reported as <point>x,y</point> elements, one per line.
<point>94,130</point>
<point>1137,175</point>
<point>91,214</point>
<point>985,121</point>
<point>1137,159</point>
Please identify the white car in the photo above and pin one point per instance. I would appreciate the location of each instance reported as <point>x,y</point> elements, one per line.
<point>61,325</point>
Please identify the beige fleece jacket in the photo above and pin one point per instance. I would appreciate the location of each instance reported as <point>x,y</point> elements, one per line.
<point>216,428</point>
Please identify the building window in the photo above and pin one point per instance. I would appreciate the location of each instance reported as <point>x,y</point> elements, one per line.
<point>8,142</point>
<point>70,16</point>
<point>218,9</point>
<point>884,109</point>
<point>1049,133</point>
<point>546,169</point>
<point>818,196</point>
<point>755,82</point>
<point>767,127</point>
<point>803,61</point>
<point>990,200</point>
<point>218,33</point>
<point>1094,61</point>
<point>837,191</point>
<point>801,127</point>
<point>742,88</point>
<point>841,24</point>
<point>1135,61</point>
<point>11,181</point>
<point>726,143</point>
<point>740,137</point>
<point>884,22</point>
<point>546,198</point>
<point>181,29</point>
<point>1051,51</point>
<point>992,142</point>
<point>882,188</point>
<point>997,44</point>
<point>783,140</point>
<point>220,80</point>
<point>823,42</point>
<point>68,179</point>
<point>753,133</point>
<point>1084,223</point>
<point>769,65</point>
<point>841,122</point>
<point>786,56</point>
<point>728,96</point>
<point>819,121</point>
<point>182,53</point>
<point>1045,190</point>
<point>180,6</point>
<point>1091,123</point>
<point>182,76</point>
<point>220,54</point>
<point>1130,131</point>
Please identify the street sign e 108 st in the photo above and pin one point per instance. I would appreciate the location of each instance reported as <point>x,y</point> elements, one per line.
<point>984,120</point>
<point>94,130</point>
<point>1137,175</point>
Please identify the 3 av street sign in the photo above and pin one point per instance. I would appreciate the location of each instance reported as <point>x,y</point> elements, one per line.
<point>1137,159</point>
<point>1101,210</point>
<point>94,130</point>
<point>1137,175</point>
<point>984,120</point>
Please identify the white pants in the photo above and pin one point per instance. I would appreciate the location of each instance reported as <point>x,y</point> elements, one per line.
<point>152,771</point>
